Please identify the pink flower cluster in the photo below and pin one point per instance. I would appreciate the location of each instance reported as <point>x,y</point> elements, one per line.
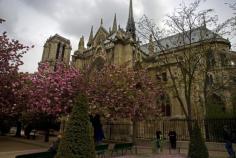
<point>52,91</point>
<point>121,92</point>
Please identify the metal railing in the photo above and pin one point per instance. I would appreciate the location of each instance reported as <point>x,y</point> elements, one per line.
<point>212,129</point>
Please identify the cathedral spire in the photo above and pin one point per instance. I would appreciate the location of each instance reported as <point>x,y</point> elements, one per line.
<point>101,21</point>
<point>204,21</point>
<point>151,47</point>
<point>90,41</point>
<point>130,28</point>
<point>114,28</point>
<point>81,44</point>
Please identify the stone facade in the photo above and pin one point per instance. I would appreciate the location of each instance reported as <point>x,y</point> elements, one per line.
<point>119,46</point>
<point>114,47</point>
<point>56,48</point>
<point>214,75</point>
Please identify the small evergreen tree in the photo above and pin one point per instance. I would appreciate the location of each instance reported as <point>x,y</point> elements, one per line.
<point>77,141</point>
<point>197,146</point>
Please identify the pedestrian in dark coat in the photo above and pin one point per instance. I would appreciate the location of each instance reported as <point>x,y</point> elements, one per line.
<point>158,137</point>
<point>98,131</point>
<point>227,135</point>
<point>172,139</point>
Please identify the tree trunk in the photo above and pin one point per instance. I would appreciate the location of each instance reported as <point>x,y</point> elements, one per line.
<point>134,138</point>
<point>189,124</point>
<point>18,129</point>
<point>46,138</point>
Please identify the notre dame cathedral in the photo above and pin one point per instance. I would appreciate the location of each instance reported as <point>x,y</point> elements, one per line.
<point>119,46</point>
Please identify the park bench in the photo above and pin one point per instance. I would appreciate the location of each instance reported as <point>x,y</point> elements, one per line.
<point>45,154</point>
<point>101,149</point>
<point>33,134</point>
<point>122,147</point>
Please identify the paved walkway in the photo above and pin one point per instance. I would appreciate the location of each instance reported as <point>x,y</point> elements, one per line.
<point>152,156</point>
<point>10,147</point>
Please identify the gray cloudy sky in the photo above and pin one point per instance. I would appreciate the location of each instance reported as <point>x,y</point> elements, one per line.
<point>33,21</point>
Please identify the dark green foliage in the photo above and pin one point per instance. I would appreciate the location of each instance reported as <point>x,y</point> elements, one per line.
<point>197,146</point>
<point>215,108</point>
<point>77,141</point>
<point>5,126</point>
<point>233,99</point>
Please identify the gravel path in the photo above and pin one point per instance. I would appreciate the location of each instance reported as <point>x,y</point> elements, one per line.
<point>153,156</point>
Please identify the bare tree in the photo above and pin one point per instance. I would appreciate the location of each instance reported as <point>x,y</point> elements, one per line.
<point>185,53</point>
<point>2,20</point>
<point>232,6</point>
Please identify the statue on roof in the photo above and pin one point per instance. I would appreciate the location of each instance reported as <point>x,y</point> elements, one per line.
<point>81,44</point>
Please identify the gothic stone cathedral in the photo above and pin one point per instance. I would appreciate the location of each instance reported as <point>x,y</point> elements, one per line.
<point>119,46</point>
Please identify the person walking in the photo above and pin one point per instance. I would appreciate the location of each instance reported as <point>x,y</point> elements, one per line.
<point>159,138</point>
<point>227,135</point>
<point>98,131</point>
<point>172,139</point>
<point>54,146</point>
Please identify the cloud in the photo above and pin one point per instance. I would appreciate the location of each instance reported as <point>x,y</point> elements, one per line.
<point>33,21</point>
<point>75,17</point>
<point>8,11</point>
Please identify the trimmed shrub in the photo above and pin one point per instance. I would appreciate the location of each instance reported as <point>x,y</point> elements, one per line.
<point>197,146</point>
<point>77,141</point>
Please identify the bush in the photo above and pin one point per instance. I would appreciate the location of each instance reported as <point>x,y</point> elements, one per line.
<point>5,127</point>
<point>77,141</point>
<point>197,146</point>
<point>215,108</point>
<point>6,122</point>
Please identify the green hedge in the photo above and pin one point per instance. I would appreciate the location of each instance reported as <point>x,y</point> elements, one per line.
<point>77,141</point>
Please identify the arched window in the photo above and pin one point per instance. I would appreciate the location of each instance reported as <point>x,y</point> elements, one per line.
<point>209,79</point>
<point>97,64</point>
<point>63,52</point>
<point>223,60</point>
<point>58,50</point>
<point>210,59</point>
<point>164,101</point>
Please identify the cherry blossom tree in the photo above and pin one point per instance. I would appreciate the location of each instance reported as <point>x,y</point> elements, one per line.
<point>120,92</point>
<point>11,52</point>
<point>50,92</point>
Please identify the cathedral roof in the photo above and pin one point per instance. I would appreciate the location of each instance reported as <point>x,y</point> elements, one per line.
<point>117,35</point>
<point>175,41</point>
<point>57,36</point>
<point>101,29</point>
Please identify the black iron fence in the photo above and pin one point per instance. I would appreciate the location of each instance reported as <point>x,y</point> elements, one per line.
<point>212,129</point>
<point>118,131</point>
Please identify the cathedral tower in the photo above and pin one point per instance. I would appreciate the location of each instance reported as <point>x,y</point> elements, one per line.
<point>57,48</point>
